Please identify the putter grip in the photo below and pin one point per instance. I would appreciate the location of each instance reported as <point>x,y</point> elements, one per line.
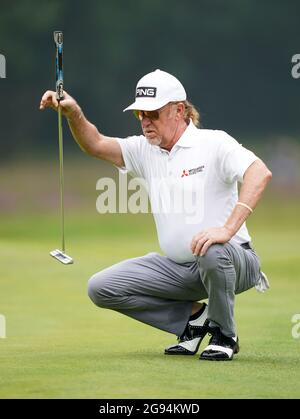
<point>59,78</point>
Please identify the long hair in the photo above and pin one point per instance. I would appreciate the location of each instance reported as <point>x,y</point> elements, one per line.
<point>191,112</point>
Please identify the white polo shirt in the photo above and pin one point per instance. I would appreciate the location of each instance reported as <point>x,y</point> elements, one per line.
<point>191,188</point>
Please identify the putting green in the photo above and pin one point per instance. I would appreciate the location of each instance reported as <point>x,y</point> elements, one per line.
<point>59,345</point>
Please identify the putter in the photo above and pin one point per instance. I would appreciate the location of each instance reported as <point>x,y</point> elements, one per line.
<point>58,39</point>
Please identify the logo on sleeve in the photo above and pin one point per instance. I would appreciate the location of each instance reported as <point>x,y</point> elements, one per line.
<point>146,92</point>
<point>192,171</point>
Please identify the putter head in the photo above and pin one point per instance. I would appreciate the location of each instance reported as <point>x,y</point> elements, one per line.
<point>62,257</point>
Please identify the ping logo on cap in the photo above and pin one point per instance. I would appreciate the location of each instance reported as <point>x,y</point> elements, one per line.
<point>145,92</point>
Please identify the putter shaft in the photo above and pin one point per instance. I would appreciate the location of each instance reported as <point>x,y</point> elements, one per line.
<point>61,177</point>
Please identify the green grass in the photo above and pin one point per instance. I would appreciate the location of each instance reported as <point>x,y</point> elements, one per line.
<point>59,345</point>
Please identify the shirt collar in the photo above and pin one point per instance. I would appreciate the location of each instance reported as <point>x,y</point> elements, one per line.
<point>189,136</point>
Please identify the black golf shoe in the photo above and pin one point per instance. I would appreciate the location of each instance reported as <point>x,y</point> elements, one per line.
<point>189,341</point>
<point>220,347</point>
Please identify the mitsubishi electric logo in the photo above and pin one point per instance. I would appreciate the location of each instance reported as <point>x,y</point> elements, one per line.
<point>192,171</point>
<point>146,92</point>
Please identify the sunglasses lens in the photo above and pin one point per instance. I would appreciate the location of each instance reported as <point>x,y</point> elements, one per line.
<point>152,115</point>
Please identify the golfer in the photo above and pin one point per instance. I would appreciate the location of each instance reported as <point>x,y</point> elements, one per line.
<point>200,215</point>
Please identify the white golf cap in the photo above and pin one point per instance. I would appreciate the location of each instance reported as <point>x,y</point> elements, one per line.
<point>155,90</point>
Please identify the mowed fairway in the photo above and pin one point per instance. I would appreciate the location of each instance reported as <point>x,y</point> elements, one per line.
<point>59,345</point>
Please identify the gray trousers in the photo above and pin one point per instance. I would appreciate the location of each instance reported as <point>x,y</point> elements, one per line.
<point>160,292</point>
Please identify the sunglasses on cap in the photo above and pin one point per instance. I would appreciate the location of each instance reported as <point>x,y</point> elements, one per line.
<point>152,115</point>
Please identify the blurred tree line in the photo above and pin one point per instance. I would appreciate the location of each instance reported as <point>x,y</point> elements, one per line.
<point>232,56</point>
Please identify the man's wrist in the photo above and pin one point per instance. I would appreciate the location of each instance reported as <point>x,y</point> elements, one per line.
<point>230,230</point>
<point>74,114</point>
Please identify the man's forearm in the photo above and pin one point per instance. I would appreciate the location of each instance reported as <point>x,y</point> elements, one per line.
<point>256,179</point>
<point>85,133</point>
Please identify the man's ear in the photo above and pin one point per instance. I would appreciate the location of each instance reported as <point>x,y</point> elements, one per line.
<point>180,110</point>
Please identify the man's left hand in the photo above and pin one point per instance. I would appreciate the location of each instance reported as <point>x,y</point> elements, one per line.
<point>202,241</point>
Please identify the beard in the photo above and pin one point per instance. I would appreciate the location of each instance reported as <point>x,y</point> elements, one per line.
<point>153,140</point>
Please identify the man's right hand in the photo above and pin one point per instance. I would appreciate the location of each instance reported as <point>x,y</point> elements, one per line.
<point>68,104</point>
<point>85,133</point>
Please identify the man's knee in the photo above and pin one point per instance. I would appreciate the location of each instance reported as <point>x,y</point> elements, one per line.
<point>212,257</point>
<point>97,290</point>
